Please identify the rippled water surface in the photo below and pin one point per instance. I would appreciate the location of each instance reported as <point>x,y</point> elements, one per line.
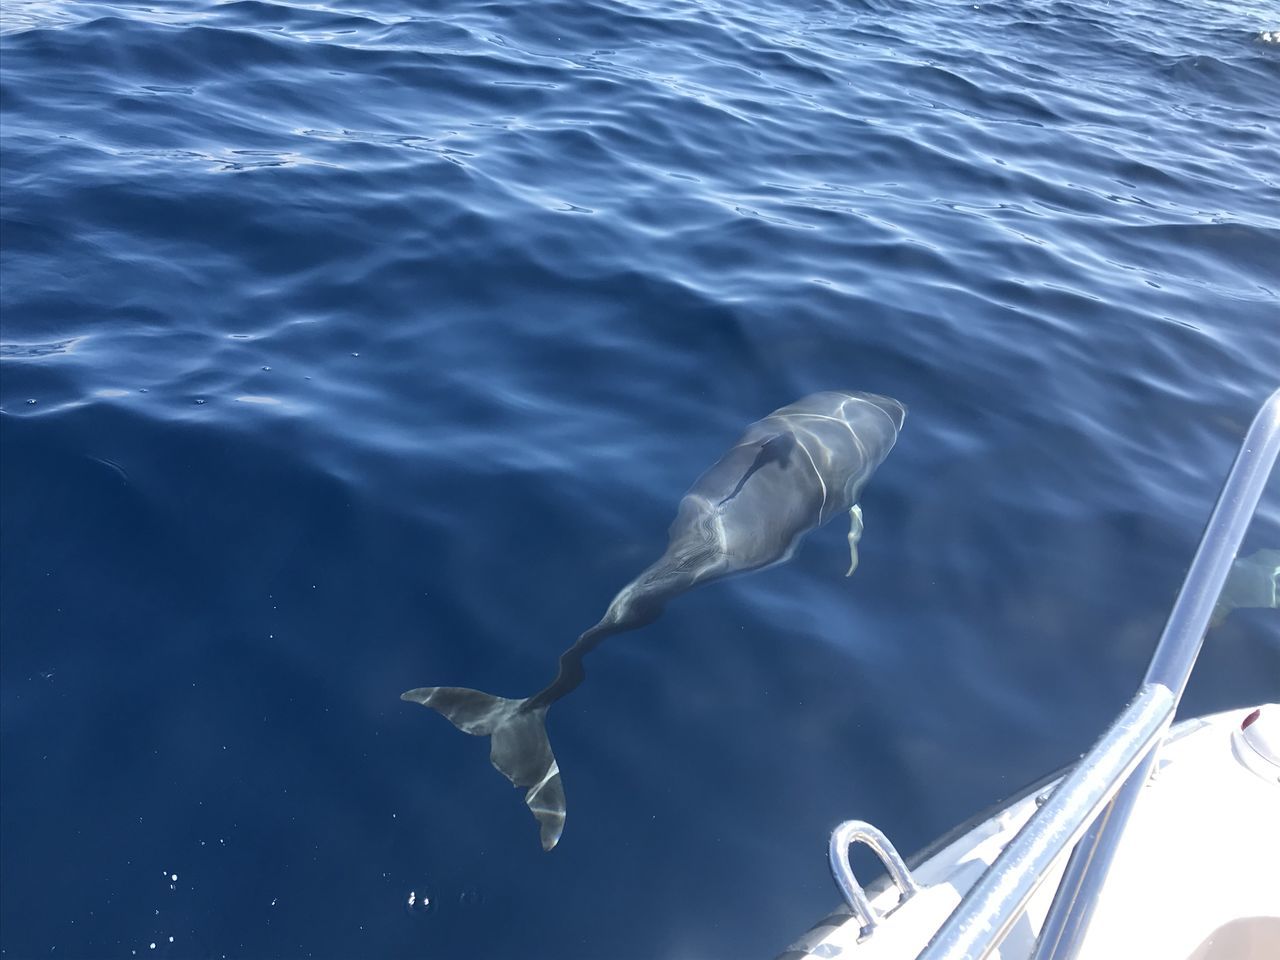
<point>357,346</point>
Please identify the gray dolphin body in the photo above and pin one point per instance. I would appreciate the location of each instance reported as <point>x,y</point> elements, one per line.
<point>789,474</point>
<point>1254,581</point>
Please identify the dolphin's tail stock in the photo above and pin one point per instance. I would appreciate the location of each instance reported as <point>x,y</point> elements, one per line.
<point>519,747</point>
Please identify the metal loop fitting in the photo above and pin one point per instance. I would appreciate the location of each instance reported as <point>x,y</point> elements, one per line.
<point>859,831</point>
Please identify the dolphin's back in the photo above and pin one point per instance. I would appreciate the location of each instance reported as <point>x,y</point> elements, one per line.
<point>790,472</point>
<point>747,510</point>
<point>840,438</point>
<point>846,436</point>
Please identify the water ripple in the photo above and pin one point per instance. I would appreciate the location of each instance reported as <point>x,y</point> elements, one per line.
<point>350,345</point>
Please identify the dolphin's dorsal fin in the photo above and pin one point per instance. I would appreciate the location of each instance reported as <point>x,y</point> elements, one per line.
<point>855,534</point>
<point>776,449</point>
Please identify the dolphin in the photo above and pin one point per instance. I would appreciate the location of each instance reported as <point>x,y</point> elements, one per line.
<point>1254,581</point>
<point>791,472</point>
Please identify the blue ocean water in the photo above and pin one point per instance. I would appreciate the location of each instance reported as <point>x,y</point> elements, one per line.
<point>350,347</point>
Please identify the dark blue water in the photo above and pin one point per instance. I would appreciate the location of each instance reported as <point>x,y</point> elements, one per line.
<point>353,347</point>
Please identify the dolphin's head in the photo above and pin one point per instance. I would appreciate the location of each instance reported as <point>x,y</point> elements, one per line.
<point>894,409</point>
<point>875,420</point>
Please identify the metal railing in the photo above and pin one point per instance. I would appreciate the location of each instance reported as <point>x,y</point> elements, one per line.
<point>1110,776</point>
<point>859,831</point>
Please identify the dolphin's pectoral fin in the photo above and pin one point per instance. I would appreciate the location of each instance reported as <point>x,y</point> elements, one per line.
<point>855,534</point>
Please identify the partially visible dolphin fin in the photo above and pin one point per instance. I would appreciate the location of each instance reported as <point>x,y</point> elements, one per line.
<point>519,747</point>
<point>776,449</point>
<point>1254,581</point>
<point>855,534</point>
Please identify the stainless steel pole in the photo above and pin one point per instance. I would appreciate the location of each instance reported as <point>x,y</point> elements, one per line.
<point>1073,905</point>
<point>990,909</point>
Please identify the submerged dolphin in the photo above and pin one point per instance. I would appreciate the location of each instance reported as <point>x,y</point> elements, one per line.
<point>1254,581</point>
<point>790,473</point>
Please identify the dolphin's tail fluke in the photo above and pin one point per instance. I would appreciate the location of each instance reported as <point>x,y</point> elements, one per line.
<point>519,747</point>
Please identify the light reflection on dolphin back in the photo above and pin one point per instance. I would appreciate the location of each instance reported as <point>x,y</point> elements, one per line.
<point>798,468</point>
